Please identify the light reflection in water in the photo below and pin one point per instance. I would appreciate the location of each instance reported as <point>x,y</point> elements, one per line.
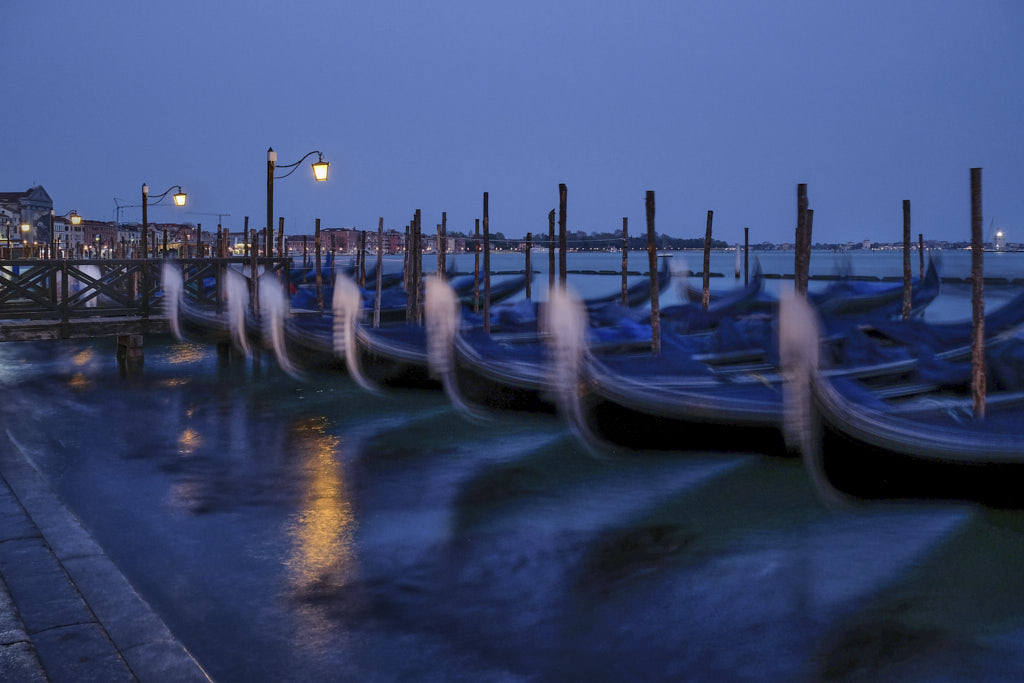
<point>322,532</point>
<point>79,381</point>
<point>82,357</point>
<point>188,441</point>
<point>181,354</point>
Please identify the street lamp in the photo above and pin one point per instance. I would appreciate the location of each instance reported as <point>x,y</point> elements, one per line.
<point>319,174</point>
<point>179,200</point>
<point>75,220</point>
<point>25,227</point>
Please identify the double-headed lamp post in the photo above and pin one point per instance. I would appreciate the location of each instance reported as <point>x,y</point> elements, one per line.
<point>319,174</point>
<point>179,200</point>
<point>75,220</point>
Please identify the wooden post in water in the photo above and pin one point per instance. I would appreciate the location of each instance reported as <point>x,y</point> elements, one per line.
<point>440,254</point>
<point>746,256</point>
<point>561,235</point>
<point>476,268</point>
<point>280,236</point>
<point>418,267</point>
<point>318,278</point>
<point>551,252</point>
<point>529,268</point>
<point>487,268</point>
<point>199,240</point>
<point>625,260</point>
<point>253,269</point>
<point>920,253</point>
<point>305,251</point>
<point>165,242</point>
<point>362,258</point>
<point>907,272</point>
<point>443,247</point>
<point>808,231</point>
<point>977,299</point>
<point>245,238</point>
<point>798,242</point>
<point>652,265</point>
<point>409,296</point>
<point>380,267</point>
<point>405,266</point>
<point>705,297</point>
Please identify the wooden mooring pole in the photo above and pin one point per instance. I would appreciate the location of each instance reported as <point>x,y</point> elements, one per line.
<point>443,246</point>
<point>417,268</point>
<point>907,271</point>
<point>746,256</point>
<point>280,236</point>
<point>362,258</point>
<point>652,265</point>
<point>798,241</point>
<point>199,240</point>
<point>487,267</point>
<point>920,254</point>
<point>319,278</point>
<point>410,296</point>
<point>562,243</point>
<point>977,298</point>
<point>551,251</point>
<point>440,254</point>
<point>529,268</point>
<point>705,297</point>
<point>380,267</point>
<point>806,251</point>
<point>407,245</point>
<point>476,267</point>
<point>625,260</point>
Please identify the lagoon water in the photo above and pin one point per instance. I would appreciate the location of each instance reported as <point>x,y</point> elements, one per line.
<point>302,529</point>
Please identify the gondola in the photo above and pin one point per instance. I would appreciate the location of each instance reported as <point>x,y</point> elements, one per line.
<point>506,368</point>
<point>856,446</point>
<point>848,297</point>
<point>640,401</point>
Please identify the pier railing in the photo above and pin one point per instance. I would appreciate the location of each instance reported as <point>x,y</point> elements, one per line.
<point>51,299</point>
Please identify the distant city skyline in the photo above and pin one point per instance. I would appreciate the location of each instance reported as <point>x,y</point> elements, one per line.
<point>722,106</point>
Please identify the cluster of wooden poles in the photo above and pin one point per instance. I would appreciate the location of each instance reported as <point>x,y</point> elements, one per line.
<point>805,219</point>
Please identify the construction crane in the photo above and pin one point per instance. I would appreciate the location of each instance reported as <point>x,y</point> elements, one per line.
<point>218,215</point>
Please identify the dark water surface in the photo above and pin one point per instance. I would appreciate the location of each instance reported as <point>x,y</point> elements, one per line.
<point>305,530</point>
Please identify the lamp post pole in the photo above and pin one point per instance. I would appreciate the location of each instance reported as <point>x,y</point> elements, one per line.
<point>271,164</point>
<point>319,174</point>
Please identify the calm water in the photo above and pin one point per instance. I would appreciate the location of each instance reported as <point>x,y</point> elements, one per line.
<point>304,530</point>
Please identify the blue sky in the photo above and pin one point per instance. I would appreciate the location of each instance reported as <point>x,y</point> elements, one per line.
<point>714,105</point>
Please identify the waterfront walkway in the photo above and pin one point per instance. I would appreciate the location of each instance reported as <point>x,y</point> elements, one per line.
<point>66,612</point>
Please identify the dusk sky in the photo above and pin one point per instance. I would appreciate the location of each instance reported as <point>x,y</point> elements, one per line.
<point>713,105</point>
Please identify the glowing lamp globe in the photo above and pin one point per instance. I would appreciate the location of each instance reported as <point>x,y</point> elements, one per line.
<point>179,199</point>
<point>320,170</point>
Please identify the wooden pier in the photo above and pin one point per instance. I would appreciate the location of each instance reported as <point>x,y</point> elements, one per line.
<point>92,298</point>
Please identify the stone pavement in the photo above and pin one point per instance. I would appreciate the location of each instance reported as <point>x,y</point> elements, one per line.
<point>66,612</point>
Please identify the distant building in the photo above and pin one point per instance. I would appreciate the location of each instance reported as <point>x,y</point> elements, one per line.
<point>999,241</point>
<point>32,206</point>
<point>866,244</point>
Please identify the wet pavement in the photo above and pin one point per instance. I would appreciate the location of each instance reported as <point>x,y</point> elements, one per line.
<point>66,612</point>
